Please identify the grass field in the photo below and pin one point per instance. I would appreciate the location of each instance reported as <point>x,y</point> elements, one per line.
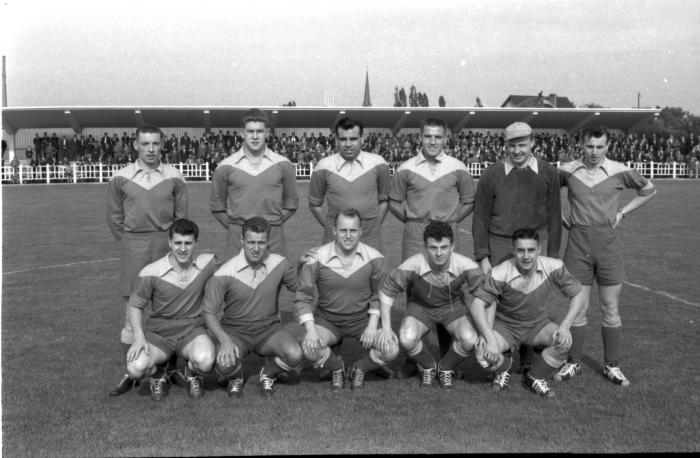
<point>61,317</point>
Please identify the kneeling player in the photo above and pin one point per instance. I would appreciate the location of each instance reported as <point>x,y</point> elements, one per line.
<point>240,309</point>
<point>175,286</point>
<point>434,280</point>
<point>520,287</point>
<point>336,286</point>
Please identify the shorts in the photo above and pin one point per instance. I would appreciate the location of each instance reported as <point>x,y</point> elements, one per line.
<point>137,251</point>
<point>595,253</point>
<point>413,238</point>
<point>432,315</point>
<point>370,232</point>
<point>172,336</point>
<point>516,335</point>
<point>252,338</point>
<point>234,244</point>
<point>342,325</point>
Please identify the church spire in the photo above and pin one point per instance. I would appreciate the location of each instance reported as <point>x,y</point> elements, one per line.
<point>367,102</point>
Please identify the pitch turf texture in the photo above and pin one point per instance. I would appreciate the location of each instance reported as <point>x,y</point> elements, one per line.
<point>61,317</point>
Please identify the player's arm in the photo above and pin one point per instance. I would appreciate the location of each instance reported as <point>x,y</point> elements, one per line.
<point>370,335</point>
<point>477,309</point>
<point>398,209</point>
<point>139,343</point>
<point>483,208</point>
<point>577,305</point>
<point>114,210</point>
<point>318,213</point>
<point>219,196</point>
<point>383,189</point>
<point>305,302</point>
<point>638,201</point>
<point>466,194</point>
<point>181,198</point>
<point>214,293</point>
<point>290,197</point>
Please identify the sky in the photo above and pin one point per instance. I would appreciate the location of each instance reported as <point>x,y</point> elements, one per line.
<point>266,53</point>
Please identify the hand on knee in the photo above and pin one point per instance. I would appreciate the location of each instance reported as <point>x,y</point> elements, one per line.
<point>389,355</point>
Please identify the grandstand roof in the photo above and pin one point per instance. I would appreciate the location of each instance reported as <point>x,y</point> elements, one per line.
<point>15,118</point>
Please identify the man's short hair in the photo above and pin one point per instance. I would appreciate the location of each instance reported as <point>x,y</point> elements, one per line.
<point>595,131</point>
<point>433,122</point>
<point>184,226</point>
<point>438,230</point>
<point>348,213</point>
<point>256,224</point>
<point>147,129</point>
<point>526,233</point>
<point>255,115</point>
<point>347,123</point>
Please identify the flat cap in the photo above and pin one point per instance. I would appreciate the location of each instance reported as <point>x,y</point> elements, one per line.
<point>518,130</point>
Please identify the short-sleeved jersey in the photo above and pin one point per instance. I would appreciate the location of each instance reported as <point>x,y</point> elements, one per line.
<point>594,195</point>
<point>143,200</point>
<point>432,191</point>
<point>173,295</point>
<point>522,300</point>
<point>243,189</point>
<point>361,184</point>
<point>341,290</point>
<point>429,288</point>
<point>246,295</point>
<point>508,198</point>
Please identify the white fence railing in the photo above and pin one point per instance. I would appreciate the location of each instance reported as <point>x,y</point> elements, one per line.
<point>200,172</point>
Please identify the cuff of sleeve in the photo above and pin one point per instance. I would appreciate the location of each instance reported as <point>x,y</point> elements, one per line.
<point>306,317</point>
<point>374,312</point>
<point>385,300</point>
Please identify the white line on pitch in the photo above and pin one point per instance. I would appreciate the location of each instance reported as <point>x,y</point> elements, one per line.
<point>59,265</point>
<point>663,293</point>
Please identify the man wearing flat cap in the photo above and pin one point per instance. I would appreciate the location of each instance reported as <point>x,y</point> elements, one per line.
<point>519,191</point>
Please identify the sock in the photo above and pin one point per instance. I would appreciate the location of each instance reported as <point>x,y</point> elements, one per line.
<point>366,364</point>
<point>274,366</point>
<point>506,364</point>
<point>527,354</point>
<point>578,334</point>
<point>541,369</point>
<point>452,358</point>
<point>229,374</point>
<point>422,357</point>
<point>612,345</point>
<point>334,362</point>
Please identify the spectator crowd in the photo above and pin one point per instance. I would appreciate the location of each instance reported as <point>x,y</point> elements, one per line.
<point>467,146</point>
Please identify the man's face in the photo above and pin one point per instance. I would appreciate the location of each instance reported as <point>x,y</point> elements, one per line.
<point>148,147</point>
<point>432,140</point>
<point>347,232</point>
<point>519,150</point>
<point>349,143</point>
<point>526,252</point>
<point>439,252</point>
<point>182,248</point>
<point>255,247</point>
<point>254,134</point>
<point>594,150</point>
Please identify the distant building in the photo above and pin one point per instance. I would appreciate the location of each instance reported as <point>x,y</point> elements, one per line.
<point>537,101</point>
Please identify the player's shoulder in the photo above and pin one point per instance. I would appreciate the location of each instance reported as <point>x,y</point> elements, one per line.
<point>204,259</point>
<point>156,269</point>
<point>326,163</point>
<point>170,171</point>
<point>372,160</point>
<point>615,167</point>
<point>413,263</point>
<point>278,158</point>
<point>126,172</point>
<point>369,253</point>
<point>463,263</point>
<point>549,265</point>
<point>275,260</point>
<point>504,271</point>
<point>407,165</point>
<point>571,166</point>
<point>455,163</point>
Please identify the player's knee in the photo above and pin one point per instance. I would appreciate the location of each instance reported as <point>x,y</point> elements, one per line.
<point>555,355</point>
<point>466,339</point>
<point>137,368</point>
<point>292,355</point>
<point>202,359</point>
<point>408,336</point>
<point>610,316</point>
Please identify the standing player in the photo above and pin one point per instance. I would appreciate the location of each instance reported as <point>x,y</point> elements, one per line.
<point>240,309</point>
<point>143,199</point>
<point>351,178</point>
<point>593,251</point>
<point>520,287</point>
<point>174,285</point>
<point>336,298</point>
<point>434,279</point>
<point>520,191</point>
<point>431,186</point>
<point>254,181</point>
